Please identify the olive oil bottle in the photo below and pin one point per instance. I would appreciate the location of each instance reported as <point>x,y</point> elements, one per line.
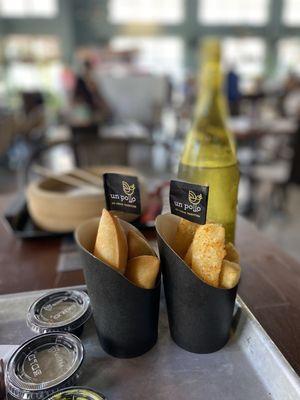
<point>209,155</point>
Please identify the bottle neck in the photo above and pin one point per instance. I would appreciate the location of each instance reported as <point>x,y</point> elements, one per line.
<point>211,103</point>
<point>210,121</point>
<point>209,143</point>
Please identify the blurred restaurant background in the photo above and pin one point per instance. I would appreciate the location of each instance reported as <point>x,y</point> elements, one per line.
<point>114,82</point>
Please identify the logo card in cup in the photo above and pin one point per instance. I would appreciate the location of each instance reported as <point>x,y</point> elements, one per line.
<point>189,201</point>
<point>122,193</point>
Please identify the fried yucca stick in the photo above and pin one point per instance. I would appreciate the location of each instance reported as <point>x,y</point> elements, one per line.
<point>143,271</point>
<point>138,246</point>
<point>208,252</point>
<point>184,236</point>
<point>231,253</point>
<point>189,255</point>
<point>111,243</point>
<point>230,274</point>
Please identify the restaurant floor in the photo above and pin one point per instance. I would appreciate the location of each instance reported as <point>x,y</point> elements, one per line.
<point>282,229</point>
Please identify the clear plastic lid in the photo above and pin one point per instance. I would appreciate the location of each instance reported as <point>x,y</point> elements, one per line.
<point>44,364</point>
<point>63,310</point>
<point>76,393</point>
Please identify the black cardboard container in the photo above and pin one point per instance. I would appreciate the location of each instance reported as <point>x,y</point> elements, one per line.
<point>199,315</point>
<point>126,316</point>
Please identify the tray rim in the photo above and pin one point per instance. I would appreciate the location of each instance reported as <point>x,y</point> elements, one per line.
<point>281,358</point>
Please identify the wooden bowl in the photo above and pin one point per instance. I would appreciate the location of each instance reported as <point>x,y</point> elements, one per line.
<point>58,207</point>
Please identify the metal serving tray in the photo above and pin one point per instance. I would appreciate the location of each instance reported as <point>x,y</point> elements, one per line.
<point>249,367</point>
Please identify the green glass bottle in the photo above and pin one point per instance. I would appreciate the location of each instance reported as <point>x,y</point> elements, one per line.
<point>209,155</point>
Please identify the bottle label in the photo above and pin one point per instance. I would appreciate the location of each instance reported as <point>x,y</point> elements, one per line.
<point>189,201</point>
<point>122,193</point>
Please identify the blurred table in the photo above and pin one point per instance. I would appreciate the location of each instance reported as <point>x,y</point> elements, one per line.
<point>30,264</point>
<point>245,128</point>
<point>269,285</point>
<point>94,145</point>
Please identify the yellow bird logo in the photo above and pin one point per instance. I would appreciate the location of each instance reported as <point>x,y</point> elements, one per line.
<point>194,198</point>
<point>128,189</point>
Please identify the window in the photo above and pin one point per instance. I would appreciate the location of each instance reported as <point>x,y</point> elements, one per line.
<point>31,48</point>
<point>289,55</point>
<point>148,11</point>
<point>28,8</point>
<point>162,55</point>
<point>247,56</point>
<point>291,12</point>
<point>28,76</point>
<point>226,12</point>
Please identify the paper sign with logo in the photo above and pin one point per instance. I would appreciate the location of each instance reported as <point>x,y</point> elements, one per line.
<point>189,201</point>
<point>122,193</point>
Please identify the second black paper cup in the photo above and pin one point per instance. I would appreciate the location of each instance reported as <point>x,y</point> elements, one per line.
<point>126,316</point>
<point>199,315</point>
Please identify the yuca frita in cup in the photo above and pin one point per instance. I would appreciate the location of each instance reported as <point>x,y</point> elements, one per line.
<point>203,249</point>
<point>127,252</point>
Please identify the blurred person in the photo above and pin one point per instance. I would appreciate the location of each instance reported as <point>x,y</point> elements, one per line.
<point>190,89</point>
<point>32,121</point>
<point>190,96</point>
<point>292,96</point>
<point>233,91</point>
<point>292,109</point>
<point>88,105</point>
<point>290,82</point>
<point>68,79</point>
<point>258,90</point>
<point>170,89</point>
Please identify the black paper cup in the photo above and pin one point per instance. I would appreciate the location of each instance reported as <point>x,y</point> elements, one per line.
<point>126,316</point>
<point>199,315</point>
